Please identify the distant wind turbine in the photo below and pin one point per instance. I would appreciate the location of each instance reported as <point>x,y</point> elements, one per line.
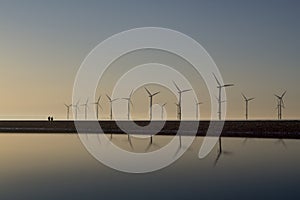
<point>280,104</point>
<point>247,100</point>
<point>68,110</point>
<point>151,101</point>
<point>197,108</point>
<point>180,99</point>
<point>85,105</point>
<point>162,110</point>
<point>179,104</point>
<point>220,101</point>
<point>76,107</point>
<point>150,107</point>
<point>129,102</point>
<point>111,104</point>
<point>97,104</point>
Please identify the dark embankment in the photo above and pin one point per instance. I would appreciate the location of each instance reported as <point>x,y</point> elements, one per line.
<point>258,129</point>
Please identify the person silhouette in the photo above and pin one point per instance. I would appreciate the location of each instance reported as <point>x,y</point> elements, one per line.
<point>51,118</point>
<point>48,118</point>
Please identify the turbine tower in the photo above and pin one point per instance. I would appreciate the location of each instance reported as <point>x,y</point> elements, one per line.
<point>151,101</point>
<point>85,105</point>
<point>162,110</point>
<point>180,99</point>
<point>247,100</point>
<point>280,104</point>
<point>128,104</point>
<point>197,108</point>
<point>220,101</point>
<point>68,110</point>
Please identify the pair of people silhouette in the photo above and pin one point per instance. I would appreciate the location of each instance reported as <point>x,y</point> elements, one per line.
<point>50,118</point>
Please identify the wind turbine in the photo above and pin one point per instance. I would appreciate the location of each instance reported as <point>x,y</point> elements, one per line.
<point>220,101</point>
<point>76,107</point>
<point>280,104</point>
<point>85,105</point>
<point>247,100</point>
<point>68,110</point>
<point>179,104</point>
<point>150,106</point>
<point>197,108</point>
<point>162,110</point>
<point>128,104</point>
<point>97,104</point>
<point>111,104</point>
<point>151,101</point>
<point>180,98</point>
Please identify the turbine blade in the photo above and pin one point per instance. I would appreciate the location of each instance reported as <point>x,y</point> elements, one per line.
<point>186,90</point>
<point>251,99</point>
<point>130,93</point>
<point>219,84</point>
<point>228,85</point>
<point>155,93</point>
<point>98,99</point>
<point>277,96</point>
<point>148,91</point>
<point>244,97</point>
<point>115,99</point>
<point>176,86</point>
<point>283,94</point>
<point>108,97</point>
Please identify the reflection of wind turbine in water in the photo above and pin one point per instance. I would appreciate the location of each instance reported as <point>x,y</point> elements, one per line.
<point>179,103</point>
<point>150,106</point>
<point>247,100</point>
<point>162,110</point>
<point>76,107</point>
<point>197,108</point>
<point>85,108</point>
<point>68,110</point>
<point>220,101</point>
<point>280,104</point>
<point>97,104</point>
<point>111,104</point>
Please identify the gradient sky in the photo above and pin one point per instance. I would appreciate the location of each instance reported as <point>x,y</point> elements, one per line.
<point>255,44</point>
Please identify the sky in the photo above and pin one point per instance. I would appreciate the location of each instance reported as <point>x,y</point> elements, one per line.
<point>255,45</point>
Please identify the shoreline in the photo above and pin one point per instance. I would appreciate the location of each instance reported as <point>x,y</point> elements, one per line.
<point>284,129</point>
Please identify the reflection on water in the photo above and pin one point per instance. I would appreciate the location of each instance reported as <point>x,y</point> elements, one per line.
<point>53,166</point>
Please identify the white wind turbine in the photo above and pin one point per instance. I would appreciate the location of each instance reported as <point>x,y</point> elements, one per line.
<point>97,104</point>
<point>197,108</point>
<point>151,101</point>
<point>76,107</point>
<point>162,110</point>
<point>68,110</point>
<point>111,107</point>
<point>280,104</point>
<point>85,105</point>
<point>150,106</point>
<point>179,104</point>
<point>129,102</point>
<point>247,100</point>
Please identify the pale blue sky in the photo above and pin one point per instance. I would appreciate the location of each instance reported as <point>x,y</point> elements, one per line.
<point>42,44</point>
